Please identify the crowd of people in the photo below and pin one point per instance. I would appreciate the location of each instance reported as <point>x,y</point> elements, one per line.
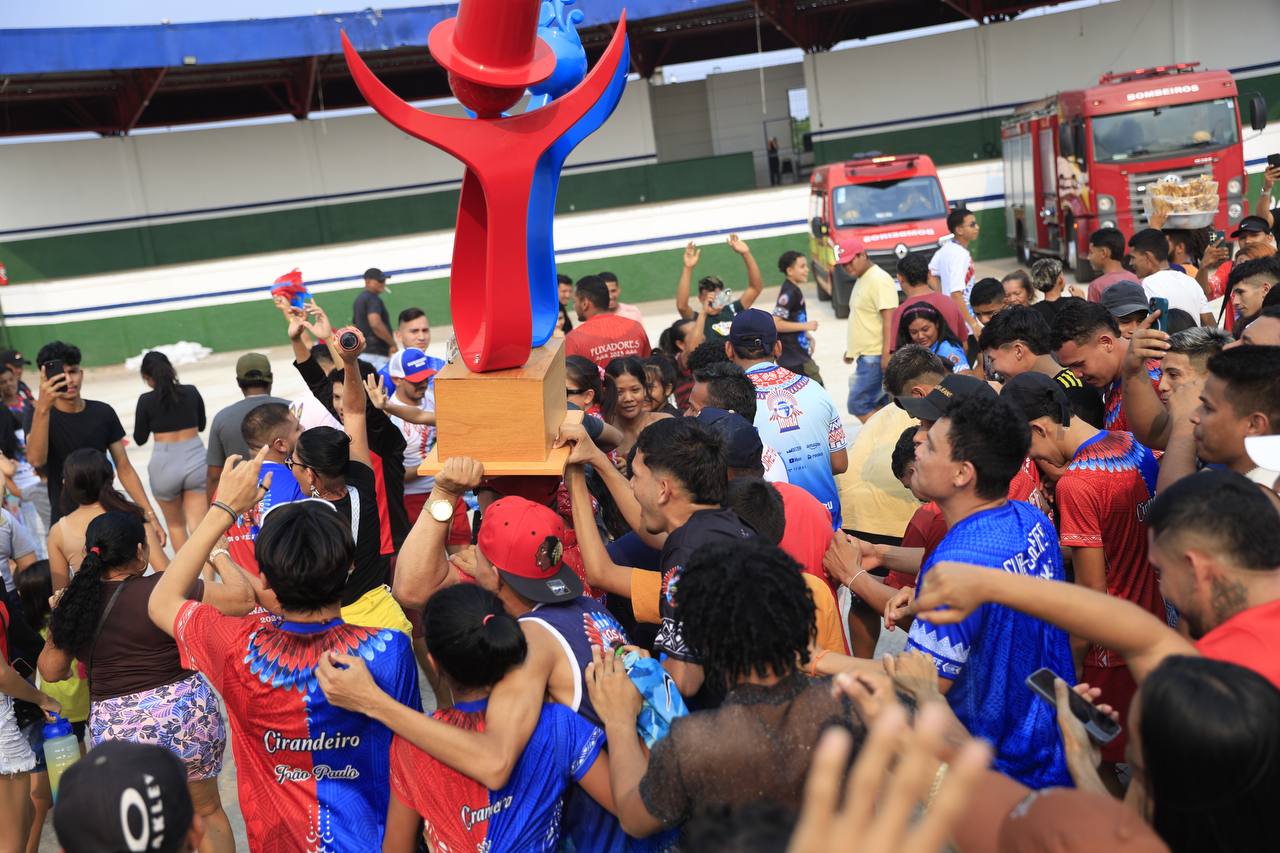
<point>1034,603</point>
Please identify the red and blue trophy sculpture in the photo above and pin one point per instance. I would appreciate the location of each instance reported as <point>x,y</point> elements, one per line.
<point>502,289</point>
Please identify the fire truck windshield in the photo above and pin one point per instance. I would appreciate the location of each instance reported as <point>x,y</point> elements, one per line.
<point>883,202</point>
<point>1164,130</point>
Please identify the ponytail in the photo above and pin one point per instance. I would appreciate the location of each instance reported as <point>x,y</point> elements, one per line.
<point>111,540</point>
<point>472,638</point>
<point>157,367</point>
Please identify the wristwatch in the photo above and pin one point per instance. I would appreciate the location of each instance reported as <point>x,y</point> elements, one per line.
<point>441,510</point>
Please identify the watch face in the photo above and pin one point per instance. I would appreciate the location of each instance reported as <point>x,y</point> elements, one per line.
<point>441,510</point>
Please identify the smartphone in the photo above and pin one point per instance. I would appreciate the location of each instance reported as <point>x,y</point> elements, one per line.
<point>1273,161</point>
<point>53,368</point>
<point>1100,727</point>
<point>1219,236</point>
<point>1159,303</point>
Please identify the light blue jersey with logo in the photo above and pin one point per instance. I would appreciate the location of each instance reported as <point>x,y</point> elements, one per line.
<point>797,418</point>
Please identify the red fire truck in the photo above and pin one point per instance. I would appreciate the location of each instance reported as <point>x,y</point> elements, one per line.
<point>1084,159</point>
<point>895,203</point>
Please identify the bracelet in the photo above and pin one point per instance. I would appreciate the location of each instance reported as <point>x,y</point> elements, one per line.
<point>228,510</point>
<point>854,579</point>
<point>213,555</point>
<point>937,784</point>
<point>813,664</point>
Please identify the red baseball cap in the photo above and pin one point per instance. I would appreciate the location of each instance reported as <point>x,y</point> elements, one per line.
<point>848,246</point>
<point>525,543</point>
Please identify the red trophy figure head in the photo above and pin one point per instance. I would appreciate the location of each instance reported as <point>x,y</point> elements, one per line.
<point>492,53</point>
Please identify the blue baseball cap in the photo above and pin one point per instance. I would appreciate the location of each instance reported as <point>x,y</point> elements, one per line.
<point>742,443</point>
<point>410,364</point>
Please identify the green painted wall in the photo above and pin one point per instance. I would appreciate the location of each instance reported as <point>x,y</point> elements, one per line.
<point>98,252</point>
<point>256,322</point>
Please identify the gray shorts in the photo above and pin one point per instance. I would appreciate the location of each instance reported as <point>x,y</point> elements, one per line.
<point>177,467</point>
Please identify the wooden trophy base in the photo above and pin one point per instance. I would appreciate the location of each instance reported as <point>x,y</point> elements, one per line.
<point>507,419</point>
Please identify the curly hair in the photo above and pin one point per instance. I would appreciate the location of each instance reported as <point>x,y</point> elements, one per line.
<point>745,610</point>
<point>111,540</point>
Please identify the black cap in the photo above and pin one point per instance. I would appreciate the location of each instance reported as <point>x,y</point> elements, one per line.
<point>1124,298</point>
<point>375,274</point>
<point>12,356</point>
<point>123,796</point>
<point>741,441</point>
<point>754,329</point>
<point>1251,225</point>
<point>1032,393</point>
<point>953,388</point>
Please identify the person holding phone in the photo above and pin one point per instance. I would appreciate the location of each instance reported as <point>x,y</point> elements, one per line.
<point>62,422</point>
<point>1262,207</point>
<point>1107,481</point>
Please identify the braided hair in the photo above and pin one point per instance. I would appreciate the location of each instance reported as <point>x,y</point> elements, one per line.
<point>745,610</point>
<point>111,540</point>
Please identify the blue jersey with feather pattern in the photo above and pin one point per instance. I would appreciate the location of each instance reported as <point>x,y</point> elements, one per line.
<point>989,654</point>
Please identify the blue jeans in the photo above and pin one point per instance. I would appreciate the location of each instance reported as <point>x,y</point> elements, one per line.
<point>866,386</point>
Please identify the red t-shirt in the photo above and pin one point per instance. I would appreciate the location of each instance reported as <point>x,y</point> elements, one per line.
<point>1113,417</point>
<point>1248,639</point>
<point>925,530</point>
<point>605,337</point>
<point>945,305</point>
<point>1025,486</point>
<point>808,532</point>
<point>1103,498</point>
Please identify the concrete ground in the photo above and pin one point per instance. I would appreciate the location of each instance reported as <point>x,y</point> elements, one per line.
<point>215,377</point>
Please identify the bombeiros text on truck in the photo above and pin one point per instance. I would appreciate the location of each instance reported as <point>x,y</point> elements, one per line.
<point>1090,158</point>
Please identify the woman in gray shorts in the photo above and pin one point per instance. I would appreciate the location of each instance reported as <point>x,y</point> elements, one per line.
<point>175,414</point>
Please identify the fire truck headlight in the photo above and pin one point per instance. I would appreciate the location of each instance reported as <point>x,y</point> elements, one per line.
<point>1234,211</point>
<point>1235,186</point>
<point>1106,204</point>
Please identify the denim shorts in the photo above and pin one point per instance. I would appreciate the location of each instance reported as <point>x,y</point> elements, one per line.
<point>866,386</point>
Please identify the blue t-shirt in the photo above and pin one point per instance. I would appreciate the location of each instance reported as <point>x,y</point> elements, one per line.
<point>951,355</point>
<point>461,814</point>
<point>796,417</point>
<point>242,535</point>
<point>990,653</point>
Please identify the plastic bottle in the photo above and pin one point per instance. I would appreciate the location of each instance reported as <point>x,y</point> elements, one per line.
<point>61,749</point>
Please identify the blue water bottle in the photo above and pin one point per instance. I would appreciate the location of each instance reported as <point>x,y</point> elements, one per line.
<point>61,749</point>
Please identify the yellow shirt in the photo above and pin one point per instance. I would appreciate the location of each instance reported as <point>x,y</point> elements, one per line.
<point>871,498</point>
<point>874,292</point>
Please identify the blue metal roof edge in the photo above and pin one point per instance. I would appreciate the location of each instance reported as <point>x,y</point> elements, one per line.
<point>71,49</point>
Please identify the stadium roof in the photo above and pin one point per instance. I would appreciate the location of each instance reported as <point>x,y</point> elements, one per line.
<point>110,80</point>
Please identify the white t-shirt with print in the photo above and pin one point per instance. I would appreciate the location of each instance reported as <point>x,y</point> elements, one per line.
<point>953,266</point>
<point>419,440</point>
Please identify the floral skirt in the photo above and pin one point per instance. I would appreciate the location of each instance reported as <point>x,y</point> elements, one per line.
<point>183,717</point>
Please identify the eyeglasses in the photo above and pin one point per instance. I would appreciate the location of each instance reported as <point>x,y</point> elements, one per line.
<point>289,462</point>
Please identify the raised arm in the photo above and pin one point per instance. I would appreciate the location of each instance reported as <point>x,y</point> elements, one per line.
<point>755,283</point>
<point>951,591</point>
<point>423,566</point>
<point>353,399</point>
<point>239,490</point>
<point>379,400</point>
<point>1179,458</point>
<point>1147,416</point>
<point>691,255</point>
<point>38,435</point>
<point>602,572</point>
<point>586,452</point>
<point>1262,207</point>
